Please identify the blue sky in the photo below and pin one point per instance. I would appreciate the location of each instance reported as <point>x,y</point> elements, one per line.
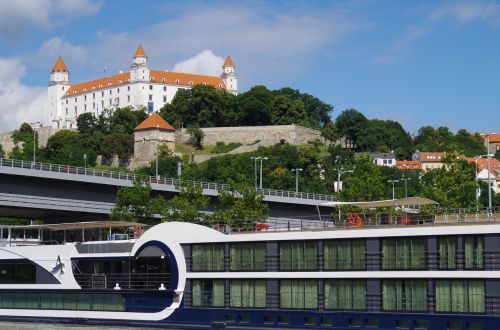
<point>418,62</point>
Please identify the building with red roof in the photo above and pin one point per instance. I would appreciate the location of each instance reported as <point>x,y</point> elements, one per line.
<point>139,87</point>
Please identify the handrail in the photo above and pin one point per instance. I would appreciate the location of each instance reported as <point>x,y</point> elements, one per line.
<point>74,170</point>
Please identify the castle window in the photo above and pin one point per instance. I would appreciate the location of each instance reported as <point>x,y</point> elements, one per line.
<point>220,85</point>
<point>177,81</point>
<point>66,111</point>
<point>150,97</point>
<point>66,101</point>
<point>190,82</point>
<point>109,84</point>
<point>63,87</point>
<point>128,88</point>
<point>110,102</point>
<point>164,88</point>
<point>150,87</point>
<point>93,96</point>
<point>204,83</point>
<point>102,104</point>
<point>102,93</point>
<point>164,99</point>
<point>110,91</point>
<point>84,89</point>
<point>128,80</point>
<point>85,108</point>
<point>118,90</point>
<point>93,105</point>
<point>151,79</point>
<point>85,97</point>
<point>162,79</point>
<point>128,98</point>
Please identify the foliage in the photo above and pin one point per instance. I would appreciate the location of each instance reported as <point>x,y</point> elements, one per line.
<point>23,143</point>
<point>196,136</point>
<point>365,183</point>
<point>2,152</point>
<point>120,144</point>
<point>164,150</point>
<point>384,136</point>
<point>69,147</point>
<point>452,186</point>
<point>222,148</point>
<point>330,132</point>
<point>135,203</point>
<point>350,123</point>
<point>186,206</point>
<point>206,106</point>
<point>497,155</point>
<point>240,205</point>
<point>441,139</point>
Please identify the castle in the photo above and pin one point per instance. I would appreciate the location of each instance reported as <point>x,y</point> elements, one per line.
<point>141,86</point>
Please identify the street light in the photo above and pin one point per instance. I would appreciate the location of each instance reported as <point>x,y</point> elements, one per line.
<point>34,138</point>
<point>255,170</point>
<point>85,162</point>
<point>393,182</point>
<point>261,159</point>
<point>339,173</point>
<point>488,157</point>
<point>297,170</point>
<point>156,148</point>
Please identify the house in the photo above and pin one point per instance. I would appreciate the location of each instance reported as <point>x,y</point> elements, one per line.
<point>410,165</point>
<point>382,158</point>
<point>482,171</point>
<point>429,160</point>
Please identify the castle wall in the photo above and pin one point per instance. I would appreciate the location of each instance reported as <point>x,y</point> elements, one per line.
<point>266,135</point>
<point>44,133</point>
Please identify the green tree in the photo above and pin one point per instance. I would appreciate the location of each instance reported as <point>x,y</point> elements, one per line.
<point>69,147</point>
<point>286,111</point>
<point>196,136</point>
<point>87,123</point>
<point>385,136</point>
<point>350,123</point>
<point>241,205</point>
<point>255,107</point>
<point>23,143</point>
<point>120,144</point>
<point>187,205</point>
<point>453,185</point>
<point>2,152</point>
<point>136,203</point>
<point>365,183</point>
<point>330,132</point>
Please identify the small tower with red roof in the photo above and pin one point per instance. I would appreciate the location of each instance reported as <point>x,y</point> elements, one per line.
<point>229,76</point>
<point>139,70</point>
<point>58,86</point>
<point>149,135</point>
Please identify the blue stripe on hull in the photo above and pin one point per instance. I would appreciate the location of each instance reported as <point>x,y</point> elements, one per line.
<point>261,319</point>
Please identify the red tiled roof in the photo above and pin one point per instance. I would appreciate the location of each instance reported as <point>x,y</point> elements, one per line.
<point>101,83</point>
<point>154,121</point>
<point>185,79</point>
<point>140,52</point>
<point>60,66</point>
<point>408,164</point>
<point>228,62</point>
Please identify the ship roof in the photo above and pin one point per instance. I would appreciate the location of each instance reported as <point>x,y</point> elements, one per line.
<point>82,225</point>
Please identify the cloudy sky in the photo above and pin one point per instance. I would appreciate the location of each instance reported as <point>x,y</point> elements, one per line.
<point>418,62</point>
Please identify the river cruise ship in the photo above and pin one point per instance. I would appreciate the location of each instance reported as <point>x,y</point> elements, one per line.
<point>393,274</point>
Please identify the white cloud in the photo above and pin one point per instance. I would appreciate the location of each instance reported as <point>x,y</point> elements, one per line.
<point>465,12</point>
<point>17,16</point>
<point>50,50</point>
<point>205,62</point>
<point>18,103</point>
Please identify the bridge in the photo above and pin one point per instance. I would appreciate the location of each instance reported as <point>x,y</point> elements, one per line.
<point>52,192</point>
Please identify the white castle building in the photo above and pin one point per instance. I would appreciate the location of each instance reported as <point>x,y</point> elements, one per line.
<point>141,86</point>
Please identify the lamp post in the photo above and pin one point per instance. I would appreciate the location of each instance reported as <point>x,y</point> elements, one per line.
<point>393,182</point>
<point>34,139</point>
<point>156,148</point>
<point>261,160</point>
<point>339,173</point>
<point>490,209</point>
<point>297,170</point>
<point>85,162</point>
<point>255,170</point>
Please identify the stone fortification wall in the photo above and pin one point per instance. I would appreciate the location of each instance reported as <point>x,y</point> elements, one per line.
<point>265,135</point>
<point>44,133</point>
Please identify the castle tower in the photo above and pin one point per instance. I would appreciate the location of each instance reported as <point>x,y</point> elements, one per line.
<point>58,86</point>
<point>229,76</point>
<point>148,135</point>
<point>139,70</point>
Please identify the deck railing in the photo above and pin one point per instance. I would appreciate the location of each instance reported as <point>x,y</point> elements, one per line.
<point>135,281</point>
<point>74,170</point>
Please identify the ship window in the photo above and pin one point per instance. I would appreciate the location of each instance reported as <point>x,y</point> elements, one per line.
<point>244,318</point>
<point>310,320</point>
<point>403,253</point>
<point>299,294</point>
<point>459,296</point>
<point>372,323</point>
<point>208,293</point>
<point>269,319</point>
<point>404,295</point>
<point>473,252</point>
<point>249,257</point>
<point>326,321</point>
<point>355,322</point>
<point>230,318</point>
<point>344,254</point>
<point>63,301</point>
<point>421,324</point>
<point>403,324</point>
<point>447,252</point>
<point>345,294</point>
<point>283,319</point>
<point>475,326</point>
<point>248,293</point>
<point>298,256</point>
<point>207,257</point>
<point>17,273</point>
<point>454,325</point>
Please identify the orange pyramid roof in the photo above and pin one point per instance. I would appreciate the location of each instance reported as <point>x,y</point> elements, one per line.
<point>140,52</point>
<point>228,61</point>
<point>154,121</point>
<point>60,66</point>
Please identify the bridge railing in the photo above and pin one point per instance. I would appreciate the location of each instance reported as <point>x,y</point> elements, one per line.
<point>67,169</point>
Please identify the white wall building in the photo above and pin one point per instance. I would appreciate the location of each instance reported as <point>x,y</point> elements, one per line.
<point>141,86</point>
